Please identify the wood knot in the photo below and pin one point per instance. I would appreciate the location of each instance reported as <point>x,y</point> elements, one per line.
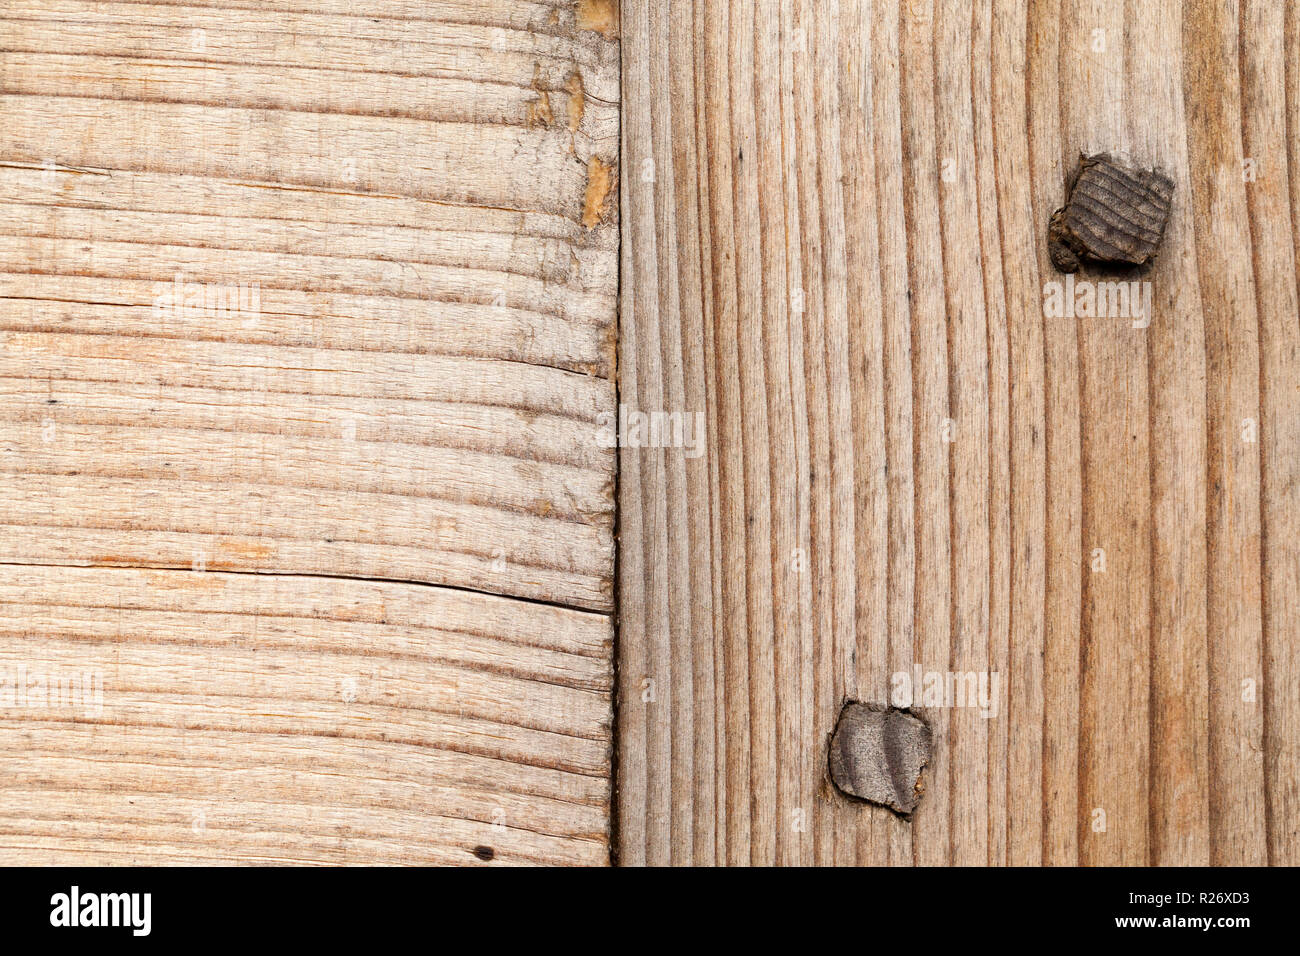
<point>1113,215</point>
<point>877,754</point>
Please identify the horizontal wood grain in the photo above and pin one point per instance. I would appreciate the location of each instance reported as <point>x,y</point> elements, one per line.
<point>297,719</point>
<point>307,325</point>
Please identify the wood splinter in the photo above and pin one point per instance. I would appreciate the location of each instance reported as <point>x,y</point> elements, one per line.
<point>877,754</point>
<point>1114,215</point>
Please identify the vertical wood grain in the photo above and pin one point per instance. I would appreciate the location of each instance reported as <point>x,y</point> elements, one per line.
<point>910,464</point>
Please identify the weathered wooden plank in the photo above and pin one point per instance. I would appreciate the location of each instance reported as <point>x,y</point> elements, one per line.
<point>244,717</point>
<point>914,463</point>
<point>308,325</point>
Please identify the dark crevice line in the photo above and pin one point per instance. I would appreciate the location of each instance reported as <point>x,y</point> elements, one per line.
<point>535,27</point>
<point>760,734</point>
<point>307,187</point>
<point>1079,436</point>
<point>1253,257</point>
<point>1289,107</point>
<point>60,631</point>
<point>445,400</point>
<point>304,66</point>
<point>1149,782</point>
<point>699,135</point>
<point>292,254</point>
<point>466,589</point>
<point>896,524</point>
<point>987,264</point>
<point>1014,549</point>
<point>133,424</point>
<point>1031,154</point>
<point>276,9</point>
<point>1150,829</point>
<point>949,463</point>
<point>132,854</point>
<point>98,29</point>
<point>909,197</point>
<point>1211,415</point>
<point>573,769</point>
<point>804,184</point>
<point>739,815</point>
<point>579,651</point>
<point>576,323</point>
<point>395,712</point>
<point>572,241</point>
<point>135,528</point>
<point>313,109</point>
<point>413,264</point>
<point>525,794</point>
<point>425,299</point>
<point>660,642</point>
<point>70,330</point>
<point>616,523</point>
<point>571,226</point>
<point>257,488</point>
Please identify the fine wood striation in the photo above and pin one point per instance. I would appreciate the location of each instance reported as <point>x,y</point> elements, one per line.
<point>307,325</point>
<point>835,251</point>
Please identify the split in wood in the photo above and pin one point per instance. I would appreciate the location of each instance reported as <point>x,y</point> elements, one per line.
<point>1114,215</point>
<point>877,754</point>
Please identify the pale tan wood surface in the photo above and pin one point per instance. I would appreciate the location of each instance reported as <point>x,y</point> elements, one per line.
<point>343,562</point>
<point>835,249</point>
